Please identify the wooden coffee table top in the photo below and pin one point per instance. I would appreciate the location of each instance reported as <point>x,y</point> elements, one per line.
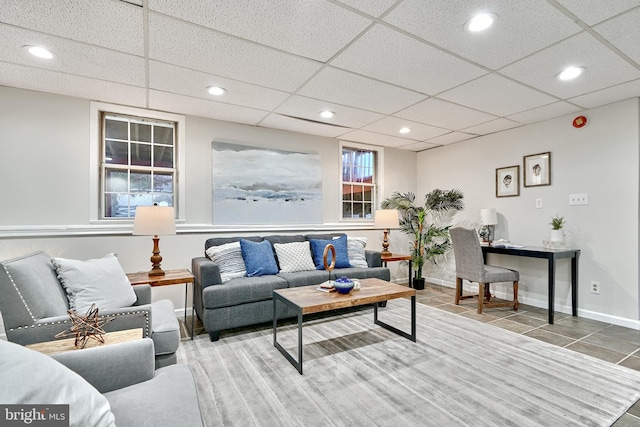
<point>68,344</point>
<point>311,300</point>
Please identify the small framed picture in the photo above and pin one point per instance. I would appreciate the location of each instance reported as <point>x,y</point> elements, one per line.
<point>537,169</point>
<point>508,181</point>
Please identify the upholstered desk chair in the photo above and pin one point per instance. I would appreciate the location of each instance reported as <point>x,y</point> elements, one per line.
<point>470,266</point>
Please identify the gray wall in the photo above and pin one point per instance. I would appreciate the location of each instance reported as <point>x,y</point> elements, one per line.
<point>44,166</point>
<point>600,159</point>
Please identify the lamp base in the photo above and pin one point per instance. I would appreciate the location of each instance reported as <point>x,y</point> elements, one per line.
<point>156,259</point>
<point>385,253</point>
<point>156,272</point>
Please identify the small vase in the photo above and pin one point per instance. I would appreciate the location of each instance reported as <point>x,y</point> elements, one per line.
<point>556,236</point>
<point>418,283</point>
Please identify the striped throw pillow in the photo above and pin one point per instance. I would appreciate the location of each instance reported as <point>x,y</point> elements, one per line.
<point>228,257</point>
<point>355,249</point>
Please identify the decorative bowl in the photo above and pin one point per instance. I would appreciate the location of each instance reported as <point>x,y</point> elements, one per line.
<point>343,285</point>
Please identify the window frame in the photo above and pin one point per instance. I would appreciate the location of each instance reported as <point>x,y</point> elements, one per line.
<point>96,166</point>
<point>378,179</point>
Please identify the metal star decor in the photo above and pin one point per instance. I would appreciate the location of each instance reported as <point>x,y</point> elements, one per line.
<point>85,327</point>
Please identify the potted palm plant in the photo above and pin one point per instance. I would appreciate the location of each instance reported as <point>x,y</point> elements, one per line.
<point>427,224</point>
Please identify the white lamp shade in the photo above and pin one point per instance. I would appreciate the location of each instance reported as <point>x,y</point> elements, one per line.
<point>488,216</point>
<point>387,218</point>
<point>154,221</point>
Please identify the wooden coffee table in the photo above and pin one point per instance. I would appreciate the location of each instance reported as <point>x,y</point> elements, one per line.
<point>308,300</point>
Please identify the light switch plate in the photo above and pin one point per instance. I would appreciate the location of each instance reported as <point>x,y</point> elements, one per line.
<point>578,199</point>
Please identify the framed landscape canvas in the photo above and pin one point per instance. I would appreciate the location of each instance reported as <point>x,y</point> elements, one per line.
<point>256,185</point>
<point>508,181</point>
<point>537,169</point>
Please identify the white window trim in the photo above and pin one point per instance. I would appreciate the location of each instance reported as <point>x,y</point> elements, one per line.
<point>95,126</point>
<point>378,188</point>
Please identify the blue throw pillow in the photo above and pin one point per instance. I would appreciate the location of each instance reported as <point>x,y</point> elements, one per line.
<point>258,258</point>
<point>342,255</point>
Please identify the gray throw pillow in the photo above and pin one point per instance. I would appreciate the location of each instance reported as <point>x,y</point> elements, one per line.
<point>28,377</point>
<point>100,281</point>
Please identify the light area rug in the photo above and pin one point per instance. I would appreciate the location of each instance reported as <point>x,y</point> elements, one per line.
<point>460,372</point>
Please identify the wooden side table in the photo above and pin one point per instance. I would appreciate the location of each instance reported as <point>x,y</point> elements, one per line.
<point>68,344</point>
<point>397,257</point>
<point>171,277</point>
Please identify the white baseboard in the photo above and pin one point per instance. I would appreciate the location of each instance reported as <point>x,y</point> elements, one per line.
<point>523,299</point>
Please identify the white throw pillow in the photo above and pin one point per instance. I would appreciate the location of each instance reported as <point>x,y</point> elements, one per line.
<point>31,378</point>
<point>355,249</point>
<point>100,281</point>
<point>228,257</point>
<point>294,256</point>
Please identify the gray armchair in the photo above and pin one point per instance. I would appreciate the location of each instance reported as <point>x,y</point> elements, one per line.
<point>104,386</point>
<point>470,266</point>
<point>34,308</point>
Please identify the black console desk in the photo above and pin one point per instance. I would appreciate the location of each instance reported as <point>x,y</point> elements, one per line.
<point>551,255</point>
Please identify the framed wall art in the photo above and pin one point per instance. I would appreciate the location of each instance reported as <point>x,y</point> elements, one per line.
<point>537,169</point>
<point>256,185</point>
<point>508,181</point>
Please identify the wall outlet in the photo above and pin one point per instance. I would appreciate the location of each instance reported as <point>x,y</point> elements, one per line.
<point>595,288</point>
<point>538,203</point>
<point>578,199</point>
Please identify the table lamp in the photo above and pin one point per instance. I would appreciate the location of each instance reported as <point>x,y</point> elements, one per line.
<point>489,219</point>
<point>386,219</point>
<point>154,221</point>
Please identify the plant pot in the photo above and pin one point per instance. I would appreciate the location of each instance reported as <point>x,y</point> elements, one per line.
<point>556,236</point>
<point>418,283</point>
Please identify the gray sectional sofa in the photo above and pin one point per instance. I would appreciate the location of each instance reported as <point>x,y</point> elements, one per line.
<point>246,301</point>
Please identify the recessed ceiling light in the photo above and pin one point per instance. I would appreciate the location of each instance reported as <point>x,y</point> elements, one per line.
<point>570,73</point>
<point>39,51</point>
<point>404,130</point>
<point>326,114</point>
<point>216,90</point>
<point>480,22</point>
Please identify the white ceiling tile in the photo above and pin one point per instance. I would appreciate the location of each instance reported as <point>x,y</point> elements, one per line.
<point>371,7</point>
<point>71,56</point>
<point>451,138</point>
<point>391,56</point>
<point>191,46</point>
<point>310,28</point>
<point>492,127</point>
<point>346,88</point>
<point>594,11</point>
<point>66,84</point>
<point>624,33</point>
<point>171,78</point>
<point>310,108</point>
<point>582,50</point>
<point>545,112</point>
<point>497,95</point>
<point>202,108</point>
<point>391,126</point>
<point>515,34</point>
<point>278,121</point>
<point>419,146</point>
<point>609,95</point>
<point>113,24</point>
<point>444,114</point>
<point>375,138</point>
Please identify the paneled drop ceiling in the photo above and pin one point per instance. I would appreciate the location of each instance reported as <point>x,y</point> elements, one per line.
<point>378,64</point>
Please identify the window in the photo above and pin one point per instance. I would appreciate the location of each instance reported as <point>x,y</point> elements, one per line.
<point>138,164</point>
<point>358,183</point>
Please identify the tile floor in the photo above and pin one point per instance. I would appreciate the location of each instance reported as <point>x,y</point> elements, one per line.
<point>608,342</point>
